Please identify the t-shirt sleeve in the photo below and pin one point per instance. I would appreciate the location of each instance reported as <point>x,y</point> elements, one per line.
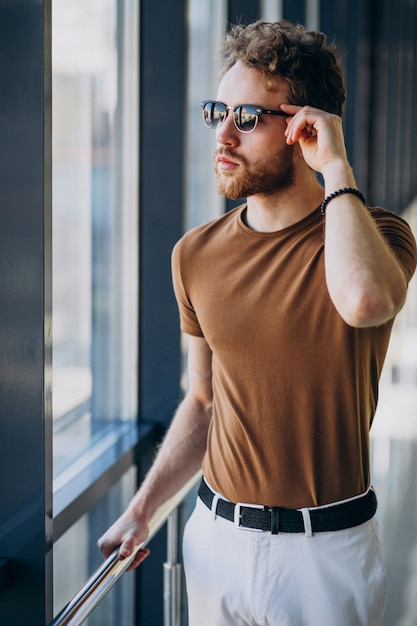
<point>188,318</point>
<point>400,239</point>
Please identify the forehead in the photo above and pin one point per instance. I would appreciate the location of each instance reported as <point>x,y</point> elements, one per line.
<point>244,85</point>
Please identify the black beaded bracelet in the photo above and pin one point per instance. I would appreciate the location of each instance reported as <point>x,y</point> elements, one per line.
<point>339,192</point>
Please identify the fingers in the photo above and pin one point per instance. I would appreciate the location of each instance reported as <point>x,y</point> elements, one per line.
<point>303,124</point>
<point>105,547</point>
<point>126,549</point>
<point>109,542</point>
<point>140,556</point>
<point>125,534</point>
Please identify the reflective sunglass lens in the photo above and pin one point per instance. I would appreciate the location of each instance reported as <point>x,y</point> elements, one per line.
<point>214,113</point>
<point>246,118</point>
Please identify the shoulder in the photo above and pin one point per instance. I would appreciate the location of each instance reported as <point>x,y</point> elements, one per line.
<point>200,236</point>
<point>386,218</point>
<point>399,236</point>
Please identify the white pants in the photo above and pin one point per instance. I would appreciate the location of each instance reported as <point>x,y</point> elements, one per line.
<point>238,577</point>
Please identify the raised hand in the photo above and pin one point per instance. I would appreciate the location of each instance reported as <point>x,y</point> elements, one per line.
<point>319,134</point>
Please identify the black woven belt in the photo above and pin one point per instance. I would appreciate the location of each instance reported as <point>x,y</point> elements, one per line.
<point>281,520</point>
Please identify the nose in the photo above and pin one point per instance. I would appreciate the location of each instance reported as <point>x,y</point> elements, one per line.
<point>227,133</point>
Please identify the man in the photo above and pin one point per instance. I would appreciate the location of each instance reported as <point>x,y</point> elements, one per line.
<point>288,302</point>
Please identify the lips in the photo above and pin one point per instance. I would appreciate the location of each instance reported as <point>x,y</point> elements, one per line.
<point>225,163</point>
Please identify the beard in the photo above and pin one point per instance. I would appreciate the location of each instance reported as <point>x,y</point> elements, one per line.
<point>258,177</point>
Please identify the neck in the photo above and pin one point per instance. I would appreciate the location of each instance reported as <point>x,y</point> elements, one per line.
<point>272,212</point>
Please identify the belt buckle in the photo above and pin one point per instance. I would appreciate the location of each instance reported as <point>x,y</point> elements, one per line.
<point>238,515</point>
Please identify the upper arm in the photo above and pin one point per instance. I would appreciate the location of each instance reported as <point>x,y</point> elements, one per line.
<point>200,369</point>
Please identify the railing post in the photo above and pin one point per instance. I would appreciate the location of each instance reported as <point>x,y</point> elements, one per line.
<point>172,575</point>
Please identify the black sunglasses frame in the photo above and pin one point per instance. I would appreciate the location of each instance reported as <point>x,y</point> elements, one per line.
<point>254,110</point>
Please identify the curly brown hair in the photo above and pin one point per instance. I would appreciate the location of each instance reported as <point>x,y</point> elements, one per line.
<point>305,59</point>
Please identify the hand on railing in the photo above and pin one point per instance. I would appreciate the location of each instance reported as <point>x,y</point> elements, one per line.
<point>103,579</point>
<point>127,533</point>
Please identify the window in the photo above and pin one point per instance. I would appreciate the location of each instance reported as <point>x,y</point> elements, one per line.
<point>207,24</point>
<point>94,224</point>
<point>95,279</point>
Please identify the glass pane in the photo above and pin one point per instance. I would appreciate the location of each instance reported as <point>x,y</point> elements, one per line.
<point>94,58</point>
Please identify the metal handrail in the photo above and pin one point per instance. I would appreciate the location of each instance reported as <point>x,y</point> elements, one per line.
<point>103,579</point>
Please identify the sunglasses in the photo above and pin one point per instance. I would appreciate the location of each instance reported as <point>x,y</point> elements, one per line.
<point>245,116</point>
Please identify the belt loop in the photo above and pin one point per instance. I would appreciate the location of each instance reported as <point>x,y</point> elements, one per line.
<point>214,505</point>
<point>275,520</point>
<point>307,522</point>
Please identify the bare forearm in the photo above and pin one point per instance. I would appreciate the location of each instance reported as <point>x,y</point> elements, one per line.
<point>178,459</point>
<point>364,279</point>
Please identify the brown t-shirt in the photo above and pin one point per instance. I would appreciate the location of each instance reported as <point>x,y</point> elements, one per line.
<point>295,388</point>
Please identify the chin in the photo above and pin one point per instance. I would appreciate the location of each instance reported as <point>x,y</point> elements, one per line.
<point>230,189</point>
